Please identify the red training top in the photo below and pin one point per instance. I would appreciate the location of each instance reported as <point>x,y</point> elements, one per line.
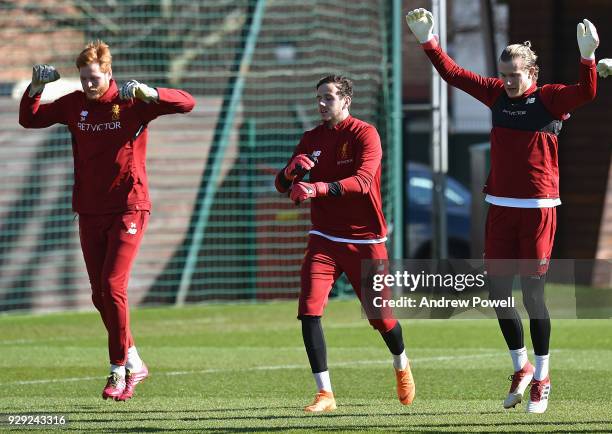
<point>350,153</point>
<point>109,140</point>
<point>524,162</point>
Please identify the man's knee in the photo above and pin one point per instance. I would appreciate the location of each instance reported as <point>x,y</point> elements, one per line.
<point>98,300</point>
<point>97,294</point>
<point>305,318</point>
<point>533,296</point>
<point>383,325</point>
<point>500,289</point>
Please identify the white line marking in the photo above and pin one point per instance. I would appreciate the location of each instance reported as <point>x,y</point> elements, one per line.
<point>268,368</point>
<point>41,340</point>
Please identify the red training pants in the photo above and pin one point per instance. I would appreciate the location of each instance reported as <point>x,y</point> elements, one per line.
<point>110,243</point>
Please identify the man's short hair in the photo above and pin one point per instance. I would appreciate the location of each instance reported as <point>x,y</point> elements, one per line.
<point>344,84</point>
<point>95,52</point>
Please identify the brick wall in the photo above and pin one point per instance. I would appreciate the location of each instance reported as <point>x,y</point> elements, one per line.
<point>42,37</point>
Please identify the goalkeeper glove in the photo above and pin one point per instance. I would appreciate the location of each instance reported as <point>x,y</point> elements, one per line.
<point>304,190</point>
<point>41,75</point>
<point>588,40</point>
<point>299,165</point>
<point>604,67</point>
<point>421,22</point>
<point>133,89</point>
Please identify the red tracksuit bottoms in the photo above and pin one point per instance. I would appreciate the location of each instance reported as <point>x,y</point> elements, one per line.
<point>110,244</point>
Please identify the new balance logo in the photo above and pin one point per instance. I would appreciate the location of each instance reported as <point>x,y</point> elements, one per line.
<point>133,229</point>
<point>530,100</point>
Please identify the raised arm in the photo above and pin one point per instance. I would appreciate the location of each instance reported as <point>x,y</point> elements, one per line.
<point>560,99</point>
<point>33,114</point>
<point>484,89</point>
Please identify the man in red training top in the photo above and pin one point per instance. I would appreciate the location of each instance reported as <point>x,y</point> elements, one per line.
<point>109,138</point>
<point>343,155</point>
<point>523,184</point>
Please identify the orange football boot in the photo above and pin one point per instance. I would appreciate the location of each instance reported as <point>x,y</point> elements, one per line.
<point>324,401</point>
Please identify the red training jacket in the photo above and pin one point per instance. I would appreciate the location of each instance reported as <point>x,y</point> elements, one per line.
<point>350,154</point>
<point>524,146</point>
<point>109,140</point>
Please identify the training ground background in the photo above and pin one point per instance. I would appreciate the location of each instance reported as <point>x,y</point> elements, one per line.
<point>226,368</point>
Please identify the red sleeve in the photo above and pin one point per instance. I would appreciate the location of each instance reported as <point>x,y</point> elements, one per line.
<point>33,114</point>
<point>367,164</point>
<point>484,89</point>
<point>170,101</point>
<point>299,149</point>
<point>559,99</point>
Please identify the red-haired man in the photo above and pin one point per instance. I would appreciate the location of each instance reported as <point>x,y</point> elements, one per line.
<point>109,138</point>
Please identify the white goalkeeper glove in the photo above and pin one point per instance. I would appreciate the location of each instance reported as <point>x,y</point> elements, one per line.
<point>588,40</point>
<point>133,89</point>
<point>604,67</point>
<point>421,22</point>
<point>41,75</point>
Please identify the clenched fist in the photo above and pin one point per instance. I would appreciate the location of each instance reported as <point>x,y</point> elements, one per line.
<point>41,75</point>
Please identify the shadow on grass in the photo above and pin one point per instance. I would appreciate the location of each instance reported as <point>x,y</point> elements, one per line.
<point>310,428</point>
<point>317,422</point>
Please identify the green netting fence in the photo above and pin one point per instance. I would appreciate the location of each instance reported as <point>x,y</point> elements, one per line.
<point>218,229</point>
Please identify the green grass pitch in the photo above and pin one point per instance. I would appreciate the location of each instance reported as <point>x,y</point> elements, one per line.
<point>242,367</point>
